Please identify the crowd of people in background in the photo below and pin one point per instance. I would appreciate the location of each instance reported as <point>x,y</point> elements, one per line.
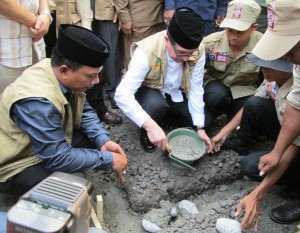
<point>178,62</point>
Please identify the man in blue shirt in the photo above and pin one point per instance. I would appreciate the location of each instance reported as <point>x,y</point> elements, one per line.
<point>46,123</point>
<point>211,11</point>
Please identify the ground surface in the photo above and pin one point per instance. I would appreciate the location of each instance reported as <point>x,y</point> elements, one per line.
<point>153,186</point>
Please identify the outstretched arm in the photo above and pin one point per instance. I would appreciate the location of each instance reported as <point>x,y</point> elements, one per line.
<point>251,202</point>
<point>219,139</point>
<point>289,131</point>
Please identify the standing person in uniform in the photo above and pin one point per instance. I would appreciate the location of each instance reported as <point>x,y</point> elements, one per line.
<point>211,11</point>
<point>106,25</point>
<point>165,76</point>
<point>67,12</point>
<point>139,19</point>
<point>230,78</point>
<point>282,39</point>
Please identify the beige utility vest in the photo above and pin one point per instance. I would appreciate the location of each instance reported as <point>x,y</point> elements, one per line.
<point>66,13</point>
<point>155,50</point>
<point>39,81</point>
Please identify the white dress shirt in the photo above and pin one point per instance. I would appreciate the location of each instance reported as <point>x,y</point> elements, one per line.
<point>137,71</point>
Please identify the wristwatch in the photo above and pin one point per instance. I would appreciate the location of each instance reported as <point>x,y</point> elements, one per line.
<point>47,13</point>
<point>200,127</point>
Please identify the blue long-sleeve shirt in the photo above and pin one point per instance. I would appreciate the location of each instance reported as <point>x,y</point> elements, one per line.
<point>42,121</point>
<point>207,9</point>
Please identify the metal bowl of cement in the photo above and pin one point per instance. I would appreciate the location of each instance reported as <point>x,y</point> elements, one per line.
<point>186,147</point>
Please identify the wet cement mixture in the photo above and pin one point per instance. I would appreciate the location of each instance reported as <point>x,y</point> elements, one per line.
<point>154,187</point>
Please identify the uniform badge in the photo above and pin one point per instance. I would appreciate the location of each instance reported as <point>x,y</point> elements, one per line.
<point>221,58</point>
<point>157,64</point>
<point>212,56</point>
<point>237,12</point>
<point>214,50</point>
<point>274,89</point>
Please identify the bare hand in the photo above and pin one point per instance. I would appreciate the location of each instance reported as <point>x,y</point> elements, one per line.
<point>168,14</point>
<point>157,137</point>
<point>267,163</point>
<point>203,136</point>
<point>127,28</point>
<point>119,165</point>
<point>41,27</point>
<point>113,147</point>
<point>119,158</point>
<point>217,141</point>
<point>219,20</point>
<point>250,204</point>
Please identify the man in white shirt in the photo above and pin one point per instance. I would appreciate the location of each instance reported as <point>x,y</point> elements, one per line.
<point>165,78</point>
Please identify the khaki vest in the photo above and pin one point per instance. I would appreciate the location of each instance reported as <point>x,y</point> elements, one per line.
<point>16,152</point>
<point>155,50</point>
<point>104,10</point>
<point>66,13</point>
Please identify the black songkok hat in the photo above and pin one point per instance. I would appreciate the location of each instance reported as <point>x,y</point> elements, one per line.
<point>82,46</point>
<point>186,28</point>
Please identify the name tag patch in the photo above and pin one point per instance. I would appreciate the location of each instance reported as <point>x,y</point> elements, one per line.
<point>217,56</point>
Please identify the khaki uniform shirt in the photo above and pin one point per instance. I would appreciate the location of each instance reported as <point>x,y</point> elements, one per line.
<point>141,13</point>
<point>239,74</point>
<point>279,95</point>
<point>294,95</point>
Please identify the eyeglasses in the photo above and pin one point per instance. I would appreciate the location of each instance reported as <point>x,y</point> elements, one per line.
<point>180,54</point>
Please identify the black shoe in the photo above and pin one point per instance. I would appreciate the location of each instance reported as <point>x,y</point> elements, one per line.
<point>111,118</point>
<point>236,144</point>
<point>290,192</point>
<point>145,142</point>
<point>285,214</point>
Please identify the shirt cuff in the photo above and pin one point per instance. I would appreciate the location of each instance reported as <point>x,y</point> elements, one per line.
<point>101,140</point>
<point>107,160</point>
<point>198,119</point>
<point>125,17</point>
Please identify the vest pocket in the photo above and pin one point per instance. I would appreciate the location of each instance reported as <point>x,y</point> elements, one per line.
<point>74,16</point>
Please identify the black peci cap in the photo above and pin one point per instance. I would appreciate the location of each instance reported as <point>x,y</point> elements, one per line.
<point>186,28</point>
<point>82,46</point>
